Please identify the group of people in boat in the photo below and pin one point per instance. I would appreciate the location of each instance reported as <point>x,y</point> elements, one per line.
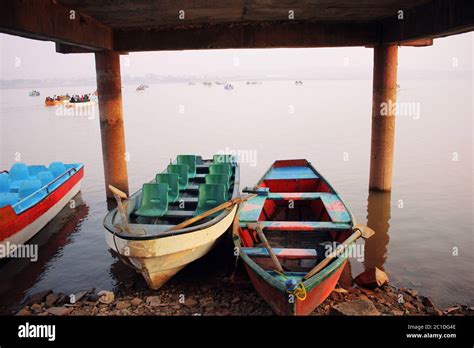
<point>80,98</point>
<point>57,98</point>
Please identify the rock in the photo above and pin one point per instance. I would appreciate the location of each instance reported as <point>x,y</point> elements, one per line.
<point>79,295</point>
<point>62,299</point>
<point>59,311</point>
<point>136,301</point>
<point>434,311</point>
<point>372,278</point>
<point>106,297</point>
<point>409,305</point>
<point>93,297</point>
<point>122,305</point>
<point>427,302</point>
<point>51,299</point>
<point>452,309</point>
<point>190,302</point>
<point>235,300</point>
<point>36,308</point>
<point>340,290</point>
<point>412,292</point>
<point>38,297</point>
<point>357,307</point>
<point>23,312</point>
<point>153,301</point>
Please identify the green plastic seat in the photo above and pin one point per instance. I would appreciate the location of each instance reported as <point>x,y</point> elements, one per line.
<point>182,171</point>
<point>224,158</point>
<point>154,201</point>
<point>172,180</point>
<point>190,160</point>
<point>219,179</point>
<point>210,196</point>
<point>222,168</point>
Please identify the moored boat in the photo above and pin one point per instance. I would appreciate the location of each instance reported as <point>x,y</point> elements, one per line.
<point>157,232</point>
<point>32,195</point>
<point>296,218</point>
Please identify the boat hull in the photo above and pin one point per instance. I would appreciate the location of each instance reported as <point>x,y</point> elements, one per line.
<point>159,259</point>
<point>18,229</point>
<point>279,300</point>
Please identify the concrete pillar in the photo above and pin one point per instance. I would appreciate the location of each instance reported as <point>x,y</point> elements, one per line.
<point>109,87</point>
<point>384,97</point>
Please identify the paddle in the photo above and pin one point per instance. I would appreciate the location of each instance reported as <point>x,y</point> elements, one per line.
<point>119,195</point>
<point>219,208</point>
<point>258,228</point>
<point>359,231</point>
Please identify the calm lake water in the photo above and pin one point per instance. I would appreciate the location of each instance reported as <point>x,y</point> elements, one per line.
<point>424,230</point>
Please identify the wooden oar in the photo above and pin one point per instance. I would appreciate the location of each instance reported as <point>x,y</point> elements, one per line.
<point>119,195</point>
<point>359,231</point>
<point>258,228</point>
<point>217,209</point>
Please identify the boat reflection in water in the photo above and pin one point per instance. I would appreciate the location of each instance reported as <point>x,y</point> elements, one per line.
<point>375,248</point>
<point>19,275</point>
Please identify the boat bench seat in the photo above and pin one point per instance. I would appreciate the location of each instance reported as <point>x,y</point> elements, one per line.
<point>303,225</point>
<point>179,214</point>
<point>282,253</point>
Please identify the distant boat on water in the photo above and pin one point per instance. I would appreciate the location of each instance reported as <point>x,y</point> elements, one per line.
<point>34,93</point>
<point>228,87</point>
<point>207,84</point>
<point>142,87</point>
<point>298,82</point>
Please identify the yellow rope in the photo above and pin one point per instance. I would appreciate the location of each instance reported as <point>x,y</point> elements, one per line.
<point>299,291</point>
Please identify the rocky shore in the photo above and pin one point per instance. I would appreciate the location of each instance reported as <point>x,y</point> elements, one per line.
<point>225,296</point>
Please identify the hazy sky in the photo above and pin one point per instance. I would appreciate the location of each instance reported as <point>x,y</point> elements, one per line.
<point>31,59</point>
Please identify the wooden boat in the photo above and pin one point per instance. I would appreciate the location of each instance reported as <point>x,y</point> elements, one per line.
<point>150,239</point>
<point>30,196</point>
<point>301,216</point>
<point>34,93</point>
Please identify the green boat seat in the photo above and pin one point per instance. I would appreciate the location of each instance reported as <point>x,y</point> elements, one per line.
<point>219,179</point>
<point>190,160</point>
<point>182,171</point>
<point>210,196</point>
<point>154,202</point>
<point>224,158</point>
<point>222,168</point>
<point>173,187</point>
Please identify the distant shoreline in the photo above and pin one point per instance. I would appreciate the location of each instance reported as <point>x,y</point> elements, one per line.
<point>336,76</point>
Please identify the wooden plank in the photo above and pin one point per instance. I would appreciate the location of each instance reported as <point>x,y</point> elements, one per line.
<point>436,18</point>
<point>303,225</point>
<point>47,20</point>
<point>282,253</point>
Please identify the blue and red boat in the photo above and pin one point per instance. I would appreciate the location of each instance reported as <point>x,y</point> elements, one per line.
<point>31,196</point>
<point>302,219</point>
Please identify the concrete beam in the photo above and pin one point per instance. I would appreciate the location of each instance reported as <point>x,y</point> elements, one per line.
<point>47,20</point>
<point>435,19</point>
<point>249,35</point>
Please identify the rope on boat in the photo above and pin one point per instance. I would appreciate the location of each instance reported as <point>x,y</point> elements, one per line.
<point>299,291</point>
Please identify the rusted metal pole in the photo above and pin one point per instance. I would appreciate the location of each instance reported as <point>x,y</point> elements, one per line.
<point>109,87</point>
<point>384,97</point>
